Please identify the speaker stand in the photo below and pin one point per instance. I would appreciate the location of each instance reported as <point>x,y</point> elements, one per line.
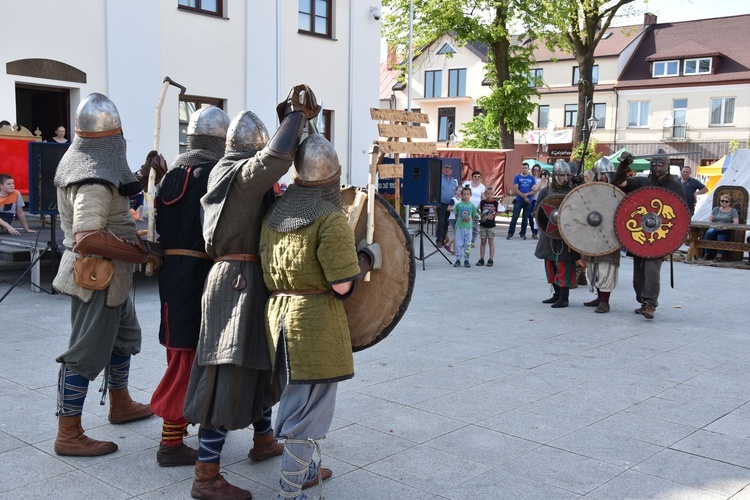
<point>422,235</point>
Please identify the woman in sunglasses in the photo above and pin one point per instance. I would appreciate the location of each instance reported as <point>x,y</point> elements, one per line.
<point>724,213</point>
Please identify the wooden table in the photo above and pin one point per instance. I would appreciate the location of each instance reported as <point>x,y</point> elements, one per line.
<point>698,229</point>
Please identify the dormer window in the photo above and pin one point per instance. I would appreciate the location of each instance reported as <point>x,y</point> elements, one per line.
<point>666,68</point>
<point>700,66</point>
<point>446,49</point>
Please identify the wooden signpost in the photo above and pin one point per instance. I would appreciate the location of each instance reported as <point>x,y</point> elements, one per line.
<point>406,125</point>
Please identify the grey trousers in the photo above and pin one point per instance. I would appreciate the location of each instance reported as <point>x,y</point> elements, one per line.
<point>305,414</point>
<point>647,280</point>
<point>97,331</point>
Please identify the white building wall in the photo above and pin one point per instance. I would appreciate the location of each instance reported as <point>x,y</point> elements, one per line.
<point>250,59</point>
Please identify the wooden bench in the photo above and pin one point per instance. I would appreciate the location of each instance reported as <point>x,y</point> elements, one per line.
<point>697,244</point>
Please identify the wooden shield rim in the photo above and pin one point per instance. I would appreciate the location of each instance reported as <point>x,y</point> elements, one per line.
<point>678,241</point>
<point>411,278</point>
<point>561,217</point>
<point>538,209</point>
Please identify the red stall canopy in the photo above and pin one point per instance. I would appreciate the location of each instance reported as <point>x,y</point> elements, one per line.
<point>14,155</point>
<point>498,166</point>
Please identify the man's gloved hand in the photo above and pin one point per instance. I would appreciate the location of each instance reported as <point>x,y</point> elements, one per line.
<point>154,253</point>
<point>300,98</point>
<point>372,252</point>
<point>155,161</point>
<point>623,169</point>
<point>577,180</point>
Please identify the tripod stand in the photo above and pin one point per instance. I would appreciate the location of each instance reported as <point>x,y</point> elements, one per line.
<point>423,235</point>
<point>36,257</point>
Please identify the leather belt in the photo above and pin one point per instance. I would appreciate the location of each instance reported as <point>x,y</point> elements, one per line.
<point>186,252</point>
<point>294,293</point>
<point>243,257</point>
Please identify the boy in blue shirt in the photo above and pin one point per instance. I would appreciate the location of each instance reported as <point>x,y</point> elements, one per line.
<point>465,212</point>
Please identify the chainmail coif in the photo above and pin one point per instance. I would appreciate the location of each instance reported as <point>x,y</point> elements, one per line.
<point>200,149</point>
<point>97,159</point>
<point>301,206</point>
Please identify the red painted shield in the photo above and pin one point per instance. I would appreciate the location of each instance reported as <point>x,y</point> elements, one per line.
<point>652,222</point>
<point>546,215</point>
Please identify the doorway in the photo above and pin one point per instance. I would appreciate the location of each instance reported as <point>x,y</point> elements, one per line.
<point>43,108</point>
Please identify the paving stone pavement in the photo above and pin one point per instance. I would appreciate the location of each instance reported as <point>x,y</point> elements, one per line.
<point>481,392</point>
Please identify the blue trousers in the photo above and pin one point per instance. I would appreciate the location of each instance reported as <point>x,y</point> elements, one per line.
<point>518,207</point>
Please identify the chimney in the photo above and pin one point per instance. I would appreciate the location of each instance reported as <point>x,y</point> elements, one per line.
<point>649,18</point>
<point>392,57</point>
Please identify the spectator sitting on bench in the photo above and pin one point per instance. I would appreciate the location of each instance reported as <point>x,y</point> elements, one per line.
<point>724,213</point>
<point>11,206</point>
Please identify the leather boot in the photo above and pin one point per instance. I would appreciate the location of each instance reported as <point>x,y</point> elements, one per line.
<point>563,300</point>
<point>176,456</point>
<point>209,484</point>
<point>71,440</point>
<point>555,296</point>
<point>264,447</point>
<point>122,409</point>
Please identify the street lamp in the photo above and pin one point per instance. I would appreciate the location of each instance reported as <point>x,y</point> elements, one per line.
<point>589,127</point>
<point>451,137</point>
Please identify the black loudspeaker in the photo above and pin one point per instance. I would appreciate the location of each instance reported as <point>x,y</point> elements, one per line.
<point>43,160</point>
<point>421,181</point>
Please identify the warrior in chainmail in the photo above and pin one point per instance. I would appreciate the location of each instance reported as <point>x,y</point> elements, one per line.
<point>186,265</point>
<point>310,264</point>
<point>647,272</point>
<point>229,384</point>
<point>94,184</point>
<point>559,258</point>
<point>602,270</point>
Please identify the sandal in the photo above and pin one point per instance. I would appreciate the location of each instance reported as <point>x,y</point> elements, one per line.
<point>718,259</point>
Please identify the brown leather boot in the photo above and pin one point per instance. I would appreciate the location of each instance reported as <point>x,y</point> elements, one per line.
<point>122,409</point>
<point>264,447</point>
<point>209,484</point>
<point>72,441</point>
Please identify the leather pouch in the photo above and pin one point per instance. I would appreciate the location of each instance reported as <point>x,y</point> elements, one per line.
<point>93,273</point>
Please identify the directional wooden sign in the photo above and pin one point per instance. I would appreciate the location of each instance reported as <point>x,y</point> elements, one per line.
<point>422,148</point>
<point>392,130</point>
<point>397,115</point>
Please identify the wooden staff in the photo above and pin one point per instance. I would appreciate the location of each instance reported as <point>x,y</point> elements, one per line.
<point>149,198</point>
<point>374,150</point>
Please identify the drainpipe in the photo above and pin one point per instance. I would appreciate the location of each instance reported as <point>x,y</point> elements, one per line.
<point>350,114</point>
<point>617,107</point>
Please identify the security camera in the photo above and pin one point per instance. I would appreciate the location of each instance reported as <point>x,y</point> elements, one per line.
<point>375,11</point>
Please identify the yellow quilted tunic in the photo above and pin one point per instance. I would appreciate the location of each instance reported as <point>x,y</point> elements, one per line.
<point>314,327</point>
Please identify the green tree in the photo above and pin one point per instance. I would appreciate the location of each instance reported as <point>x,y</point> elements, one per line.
<point>487,22</point>
<point>480,133</point>
<point>576,27</point>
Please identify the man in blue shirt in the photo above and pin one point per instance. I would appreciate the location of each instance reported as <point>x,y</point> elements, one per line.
<point>692,187</point>
<point>448,185</point>
<point>523,184</point>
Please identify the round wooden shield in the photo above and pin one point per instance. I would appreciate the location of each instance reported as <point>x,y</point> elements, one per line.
<point>546,214</point>
<point>652,222</point>
<point>376,306</point>
<point>587,218</point>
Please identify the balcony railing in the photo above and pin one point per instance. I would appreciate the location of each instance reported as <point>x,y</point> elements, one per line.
<point>675,133</point>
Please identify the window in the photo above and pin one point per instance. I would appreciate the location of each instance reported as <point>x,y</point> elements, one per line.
<point>600,112</point>
<point>446,123</point>
<point>212,7</point>
<point>571,115</point>
<point>722,111</point>
<point>697,66</point>
<point>479,111</point>
<point>594,74</point>
<point>679,115</point>
<point>433,83</point>
<point>456,82</point>
<point>446,49</point>
<point>638,114</point>
<point>542,117</point>
<point>326,124</point>
<point>536,77</point>
<point>666,68</point>
<point>188,106</point>
<point>315,17</point>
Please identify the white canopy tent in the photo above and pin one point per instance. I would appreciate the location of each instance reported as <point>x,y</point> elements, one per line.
<point>736,174</point>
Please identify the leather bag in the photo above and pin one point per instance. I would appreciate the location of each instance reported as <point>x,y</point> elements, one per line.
<point>93,273</point>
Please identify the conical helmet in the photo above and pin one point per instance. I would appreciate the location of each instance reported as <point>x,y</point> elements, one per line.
<point>316,161</point>
<point>246,133</point>
<point>97,116</point>
<point>209,120</point>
